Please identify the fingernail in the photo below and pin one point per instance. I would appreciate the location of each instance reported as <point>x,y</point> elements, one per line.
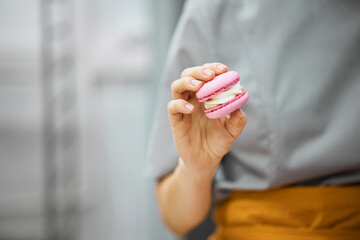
<point>208,72</point>
<point>195,82</point>
<point>189,106</point>
<point>220,67</point>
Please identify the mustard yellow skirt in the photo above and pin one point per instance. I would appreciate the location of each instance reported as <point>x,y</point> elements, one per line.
<point>292,213</point>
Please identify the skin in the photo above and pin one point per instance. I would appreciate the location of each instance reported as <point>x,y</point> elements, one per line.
<point>184,196</point>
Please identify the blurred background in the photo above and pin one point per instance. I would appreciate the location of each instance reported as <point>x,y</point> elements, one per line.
<point>78,82</point>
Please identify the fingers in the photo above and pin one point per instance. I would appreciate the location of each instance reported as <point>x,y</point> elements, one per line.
<point>180,86</point>
<point>205,72</point>
<point>236,123</point>
<point>218,68</point>
<point>192,78</point>
<point>199,72</point>
<point>178,107</point>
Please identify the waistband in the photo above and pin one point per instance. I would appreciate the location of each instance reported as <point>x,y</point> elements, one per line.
<point>290,213</point>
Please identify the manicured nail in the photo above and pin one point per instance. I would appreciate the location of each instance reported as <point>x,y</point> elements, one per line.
<point>195,82</point>
<point>189,106</point>
<point>208,72</point>
<point>220,67</point>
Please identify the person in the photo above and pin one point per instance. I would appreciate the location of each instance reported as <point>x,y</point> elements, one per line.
<point>287,165</point>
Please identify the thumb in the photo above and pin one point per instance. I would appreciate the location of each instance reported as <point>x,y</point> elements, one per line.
<point>236,123</point>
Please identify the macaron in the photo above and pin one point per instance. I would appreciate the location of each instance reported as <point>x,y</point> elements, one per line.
<point>222,95</point>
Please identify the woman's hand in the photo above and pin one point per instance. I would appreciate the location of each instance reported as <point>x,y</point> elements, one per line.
<point>201,142</point>
<point>184,195</point>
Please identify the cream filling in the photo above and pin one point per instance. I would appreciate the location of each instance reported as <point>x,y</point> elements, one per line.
<point>224,96</point>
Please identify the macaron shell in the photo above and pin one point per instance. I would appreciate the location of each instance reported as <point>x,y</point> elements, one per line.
<point>228,107</point>
<point>219,84</point>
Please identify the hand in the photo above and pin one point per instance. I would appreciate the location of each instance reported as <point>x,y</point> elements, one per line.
<point>201,142</point>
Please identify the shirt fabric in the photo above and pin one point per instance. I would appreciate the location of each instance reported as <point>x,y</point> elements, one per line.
<point>300,63</point>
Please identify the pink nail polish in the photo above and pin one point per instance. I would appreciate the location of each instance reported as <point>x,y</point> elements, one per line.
<point>189,106</point>
<point>208,72</point>
<point>220,67</point>
<point>195,82</point>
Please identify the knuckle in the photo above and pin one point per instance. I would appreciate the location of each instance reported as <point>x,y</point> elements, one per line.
<point>203,68</point>
<point>174,84</point>
<point>171,104</point>
<point>189,71</point>
<point>185,72</point>
<point>210,65</point>
<point>244,118</point>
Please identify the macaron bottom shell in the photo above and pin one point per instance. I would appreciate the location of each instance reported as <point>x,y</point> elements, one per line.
<point>227,107</point>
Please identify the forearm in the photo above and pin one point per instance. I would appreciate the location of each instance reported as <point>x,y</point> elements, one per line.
<point>184,198</point>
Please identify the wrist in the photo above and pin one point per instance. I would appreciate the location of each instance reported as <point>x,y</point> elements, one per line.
<point>198,175</point>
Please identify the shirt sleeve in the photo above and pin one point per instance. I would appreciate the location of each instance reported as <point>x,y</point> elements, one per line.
<point>190,46</point>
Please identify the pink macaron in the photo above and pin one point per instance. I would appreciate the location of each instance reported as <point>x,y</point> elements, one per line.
<point>222,86</point>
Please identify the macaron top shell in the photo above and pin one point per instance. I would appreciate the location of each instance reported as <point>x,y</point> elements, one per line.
<point>219,84</point>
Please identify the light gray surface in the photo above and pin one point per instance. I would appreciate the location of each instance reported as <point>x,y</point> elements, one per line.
<point>126,109</point>
<point>21,176</point>
<point>116,201</point>
<point>127,208</point>
<point>299,62</point>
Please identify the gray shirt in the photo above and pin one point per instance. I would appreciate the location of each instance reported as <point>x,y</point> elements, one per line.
<point>300,63</point>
